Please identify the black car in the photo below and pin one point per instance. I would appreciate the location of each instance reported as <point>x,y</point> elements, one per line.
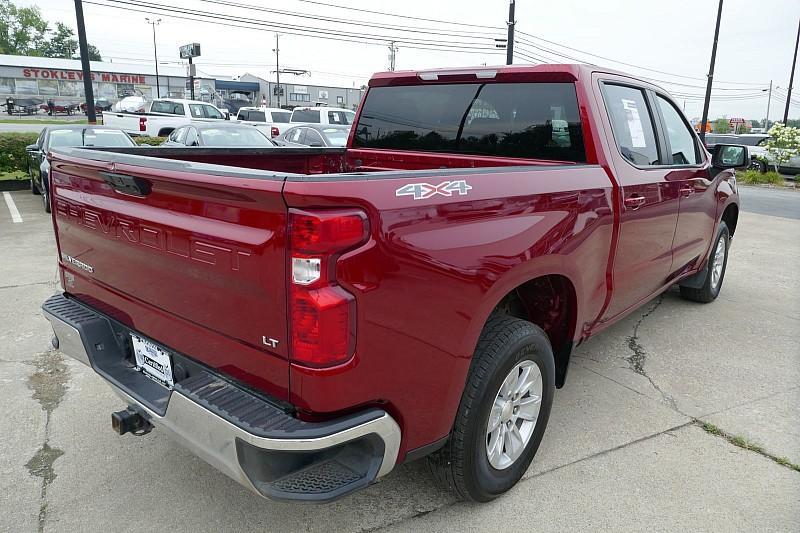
<point>59,136</point>
<point>317,135</point>
<point>218,135</point>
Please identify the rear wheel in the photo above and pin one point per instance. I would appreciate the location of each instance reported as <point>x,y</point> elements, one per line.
<point>503,412</point>
<point>717,264</point>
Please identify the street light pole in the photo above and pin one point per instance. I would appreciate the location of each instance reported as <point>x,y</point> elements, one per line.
<point>704,122</point>
<point>155,23</point>
<point>791,76</point>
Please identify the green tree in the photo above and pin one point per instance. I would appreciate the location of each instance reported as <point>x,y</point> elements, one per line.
<point>783,144</point>
<point>721,125</point>
<point>22,29</point>
<point>62,42</point>
<point>94,54</point>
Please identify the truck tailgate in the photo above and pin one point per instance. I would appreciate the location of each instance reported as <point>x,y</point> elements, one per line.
<point>193,257</point>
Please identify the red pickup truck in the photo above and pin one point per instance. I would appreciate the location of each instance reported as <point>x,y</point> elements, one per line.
<point>306,319</point>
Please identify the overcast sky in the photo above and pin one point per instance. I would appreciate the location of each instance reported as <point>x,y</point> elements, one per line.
<point>674,36</point>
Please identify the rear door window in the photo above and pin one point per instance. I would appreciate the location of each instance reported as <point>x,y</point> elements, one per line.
<point>632,124</point>
<point>313,138</point>
<point>525,120</point>
<point>337,117</point>
<point>295,135</point>
<point>165,106</point>
<point>191,137</point>
<point>197,110</point>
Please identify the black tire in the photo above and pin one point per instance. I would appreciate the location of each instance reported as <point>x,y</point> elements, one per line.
<point>462,465</point>
<point>709,291</point>
<point>757,165</point>
<point>45,197</point>
<point>34,189</point>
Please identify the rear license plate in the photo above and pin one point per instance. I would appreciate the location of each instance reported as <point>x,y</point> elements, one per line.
<point>153,361</point>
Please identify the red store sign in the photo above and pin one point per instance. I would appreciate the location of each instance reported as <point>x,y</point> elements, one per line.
<point>77,75</point>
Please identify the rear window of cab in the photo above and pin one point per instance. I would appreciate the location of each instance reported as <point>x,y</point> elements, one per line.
<point>524,120</point>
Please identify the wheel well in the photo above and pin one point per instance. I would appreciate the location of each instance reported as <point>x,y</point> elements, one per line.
<point>549,302</point>
<point>165,132</point>
<point>730,216</point>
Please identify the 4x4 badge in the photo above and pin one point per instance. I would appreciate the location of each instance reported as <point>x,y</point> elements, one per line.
<point>421,191</point>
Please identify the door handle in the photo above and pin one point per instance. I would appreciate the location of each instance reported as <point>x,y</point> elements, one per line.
<point>686,191</point>
<point>634,202</point>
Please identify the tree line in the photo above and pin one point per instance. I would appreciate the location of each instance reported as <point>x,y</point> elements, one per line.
<point>24,32</point>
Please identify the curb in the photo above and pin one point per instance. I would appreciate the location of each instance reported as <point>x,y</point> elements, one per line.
<point>14,185</point>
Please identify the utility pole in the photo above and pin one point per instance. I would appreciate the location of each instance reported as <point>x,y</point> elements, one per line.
<point>91,116</point>
<point>704,122</point>
<point>769,100</point>
<point>392,55</point>
<point>155,23</point>
<point>277,70</point>
<point>791,76</point>
<point>510,42</point>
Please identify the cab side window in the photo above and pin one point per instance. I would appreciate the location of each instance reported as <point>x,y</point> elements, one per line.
<point>632,124</point>
<point>681,140</point>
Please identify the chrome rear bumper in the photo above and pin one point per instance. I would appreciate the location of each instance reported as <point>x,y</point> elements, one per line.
<point>250,439</point>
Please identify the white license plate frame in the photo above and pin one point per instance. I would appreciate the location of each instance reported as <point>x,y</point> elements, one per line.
<point>153,361</point>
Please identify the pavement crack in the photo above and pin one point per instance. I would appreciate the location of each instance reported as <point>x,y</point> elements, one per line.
<point>638,357</point>
<point>49,385</point>
<point>745,444</point>
<point>27,285</point>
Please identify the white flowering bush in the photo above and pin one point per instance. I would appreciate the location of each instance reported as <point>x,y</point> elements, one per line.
<point>783,144</point>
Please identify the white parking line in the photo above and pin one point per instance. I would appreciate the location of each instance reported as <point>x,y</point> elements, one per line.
<point>15,216</point>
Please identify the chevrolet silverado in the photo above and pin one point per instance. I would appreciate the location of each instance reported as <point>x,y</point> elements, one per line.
<point>306,319</point>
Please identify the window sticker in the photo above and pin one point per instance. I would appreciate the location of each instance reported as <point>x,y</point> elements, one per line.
<point>634,124</point>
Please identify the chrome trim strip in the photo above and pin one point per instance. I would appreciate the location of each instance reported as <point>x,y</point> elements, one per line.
<point>213,438</point>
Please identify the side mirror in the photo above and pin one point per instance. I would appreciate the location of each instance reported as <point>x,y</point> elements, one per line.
<point>32,148</point>
<point>316,144</point>
<point>727,156</point>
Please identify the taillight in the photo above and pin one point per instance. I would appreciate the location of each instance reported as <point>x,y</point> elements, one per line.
<point>274,131</point>
<point>142,123</point>
<point>322,314</point>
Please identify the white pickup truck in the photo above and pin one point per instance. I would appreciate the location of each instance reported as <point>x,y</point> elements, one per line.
<point>163,116</point>
<point>272,121</point>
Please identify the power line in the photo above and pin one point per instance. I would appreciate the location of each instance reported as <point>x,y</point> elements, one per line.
<point>351,22</point>
<point>523,44</point>
<point>531,36</point>
<point>317,33</point>
<point>409,17</point>
<point>282,27</point>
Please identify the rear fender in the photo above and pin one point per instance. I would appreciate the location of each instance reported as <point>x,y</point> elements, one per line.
<point>518,275</point>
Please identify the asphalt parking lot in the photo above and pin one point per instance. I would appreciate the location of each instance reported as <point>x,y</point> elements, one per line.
<point>626,447</point>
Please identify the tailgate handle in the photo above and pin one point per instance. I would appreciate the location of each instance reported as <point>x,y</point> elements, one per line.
<point>127,184</point>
